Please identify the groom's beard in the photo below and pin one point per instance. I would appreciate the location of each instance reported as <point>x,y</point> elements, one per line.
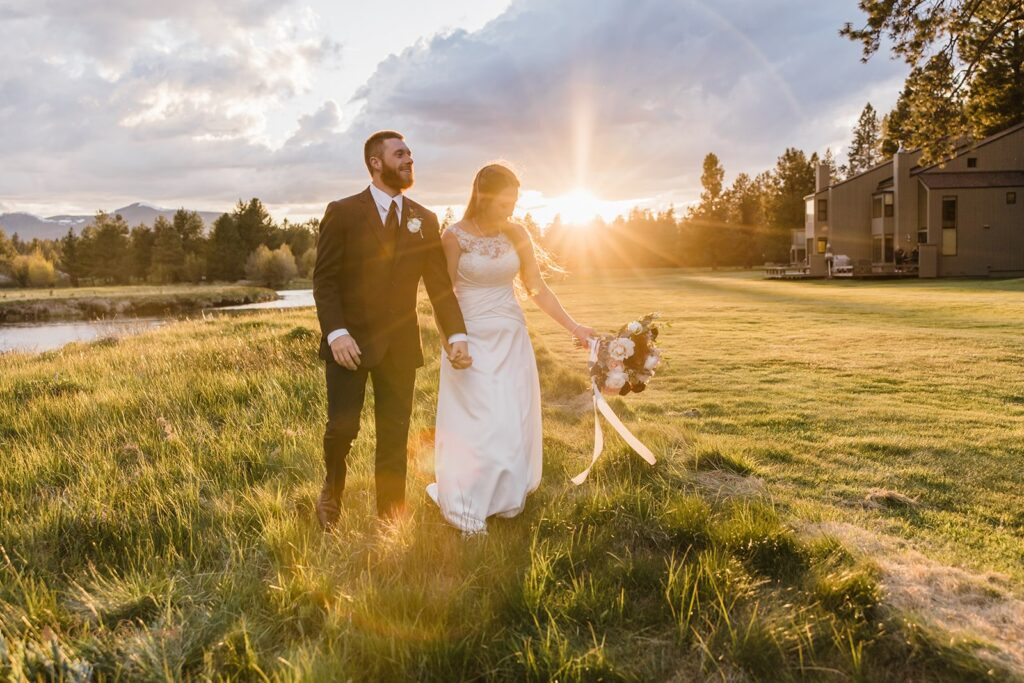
<point>392,178</point>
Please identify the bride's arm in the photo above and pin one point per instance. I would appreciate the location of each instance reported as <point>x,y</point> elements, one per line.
<point>452,252</point>
<point>539,290</point>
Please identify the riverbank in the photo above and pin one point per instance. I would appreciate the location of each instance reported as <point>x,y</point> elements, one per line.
<point>89,303</point>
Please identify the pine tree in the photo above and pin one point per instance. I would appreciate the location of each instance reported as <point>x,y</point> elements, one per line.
<point>189,226</point>
<point>995,99</point>
<point>705,220</point>
<point>7,249</point>
<point>865,150</point>
<point>168,254</point>
<point>254,226</point>
<point>141,249</point>
<point>955,48</point>
<point>711,179</point>
<point>226,259</point>
<point>895,125</point>
<point>835,171</point>
<point>7,253</point>
<point>104,249</point>
<point>300,237</point>
<point>70,257</point>
<point>791,181</point>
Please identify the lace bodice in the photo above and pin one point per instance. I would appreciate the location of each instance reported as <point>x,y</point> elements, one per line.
<point>486,261</point>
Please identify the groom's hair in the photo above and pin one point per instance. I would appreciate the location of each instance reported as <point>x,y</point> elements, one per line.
<point>374,146</point>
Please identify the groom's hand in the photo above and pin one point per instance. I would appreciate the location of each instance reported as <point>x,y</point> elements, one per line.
<point>459,356</point>
<point>346,352</point>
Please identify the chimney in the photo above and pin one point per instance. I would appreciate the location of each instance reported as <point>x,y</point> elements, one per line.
<point>822,178</point>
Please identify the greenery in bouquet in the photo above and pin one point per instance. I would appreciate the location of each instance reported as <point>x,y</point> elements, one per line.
<point>626,361</point>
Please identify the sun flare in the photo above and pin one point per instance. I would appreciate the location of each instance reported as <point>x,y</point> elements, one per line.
<point>578,206</point>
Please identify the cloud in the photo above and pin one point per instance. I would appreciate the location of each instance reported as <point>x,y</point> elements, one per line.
<point>623,96</point>
<point>169,102</point>
<point>318,127</point>
<point>147,99</point>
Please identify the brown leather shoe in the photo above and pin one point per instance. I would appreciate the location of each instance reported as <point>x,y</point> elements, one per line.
<point>328,510</point>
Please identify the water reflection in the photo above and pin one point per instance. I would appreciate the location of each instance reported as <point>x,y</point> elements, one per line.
<point>47,336</point>
<point>53,335</point>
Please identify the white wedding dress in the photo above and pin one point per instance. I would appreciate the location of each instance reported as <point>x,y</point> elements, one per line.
<point>488,442</point>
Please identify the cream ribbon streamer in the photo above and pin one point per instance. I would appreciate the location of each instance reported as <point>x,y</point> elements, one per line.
<point>601,405</point>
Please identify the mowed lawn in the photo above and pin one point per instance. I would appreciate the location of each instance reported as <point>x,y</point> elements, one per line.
<point>832,389</point>
<point>156,502</point>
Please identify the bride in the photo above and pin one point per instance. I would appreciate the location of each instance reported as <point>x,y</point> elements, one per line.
<point>488,443</point>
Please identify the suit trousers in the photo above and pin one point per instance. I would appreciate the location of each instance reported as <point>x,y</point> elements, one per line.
<point>393,386</point>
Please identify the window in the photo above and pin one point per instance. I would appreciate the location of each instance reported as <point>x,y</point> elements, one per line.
<point>822,209</point>
<point>972,162</point>
<point>876,249</point>
<point>949,226</point>
<point>876,207</point>
<point>888,205</point>
<point>922,235</point>
<point>822,244</point>
<point>1011,197</point>
<point>889,258</point>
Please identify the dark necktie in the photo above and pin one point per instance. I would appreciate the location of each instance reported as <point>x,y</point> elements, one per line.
<point>391,224</point>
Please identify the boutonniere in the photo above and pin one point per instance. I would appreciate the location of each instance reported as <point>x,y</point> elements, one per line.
<point>415,225</point>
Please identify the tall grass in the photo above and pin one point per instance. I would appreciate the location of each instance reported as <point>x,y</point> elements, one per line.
<point>156,520</point>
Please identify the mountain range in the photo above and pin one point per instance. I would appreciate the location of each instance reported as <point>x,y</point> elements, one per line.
<point>29,226</point>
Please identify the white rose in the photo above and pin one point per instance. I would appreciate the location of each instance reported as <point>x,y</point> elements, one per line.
<point>414,225</point>
<point>621,348</point>
<point>634,327</point>
<point>616,380</point>
<point>652,361</point>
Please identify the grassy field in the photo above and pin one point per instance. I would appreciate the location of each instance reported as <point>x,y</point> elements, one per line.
<point>131,300</point>
<point>837,498</point>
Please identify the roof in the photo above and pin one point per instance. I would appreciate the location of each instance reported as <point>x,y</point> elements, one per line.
<point>877,166</point>
<point>968,146</point>
<point>972,179</point>
<point>961,148</point>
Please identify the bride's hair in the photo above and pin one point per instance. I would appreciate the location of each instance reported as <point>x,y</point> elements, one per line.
<point>490,181</point>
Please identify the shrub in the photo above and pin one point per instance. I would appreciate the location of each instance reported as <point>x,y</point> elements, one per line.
<point>33,270</point>
<point>307,262</point>
<point>274,268</point>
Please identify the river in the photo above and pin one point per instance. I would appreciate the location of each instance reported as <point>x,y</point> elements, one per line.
<point>50,335</point>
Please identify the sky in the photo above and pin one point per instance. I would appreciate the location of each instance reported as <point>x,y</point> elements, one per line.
<point>599,106</point>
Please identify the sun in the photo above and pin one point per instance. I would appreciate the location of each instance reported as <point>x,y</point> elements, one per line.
<point>576,207</point>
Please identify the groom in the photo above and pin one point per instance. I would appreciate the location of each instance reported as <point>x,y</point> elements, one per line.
<point>372,251</point>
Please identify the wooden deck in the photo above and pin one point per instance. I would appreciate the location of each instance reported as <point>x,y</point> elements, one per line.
<point>789,273</point>
<point>799,272</point>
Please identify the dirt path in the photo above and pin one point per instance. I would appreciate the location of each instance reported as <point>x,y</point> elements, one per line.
<point>968,605</point>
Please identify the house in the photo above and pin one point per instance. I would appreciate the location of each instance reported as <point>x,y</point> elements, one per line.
<point>963,218</point>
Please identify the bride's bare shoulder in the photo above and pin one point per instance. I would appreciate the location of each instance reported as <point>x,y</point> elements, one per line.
<point>519,233</point>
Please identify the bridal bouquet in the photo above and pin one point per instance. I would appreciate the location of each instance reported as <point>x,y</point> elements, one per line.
<point>625,362</point>
<point>621,363</point>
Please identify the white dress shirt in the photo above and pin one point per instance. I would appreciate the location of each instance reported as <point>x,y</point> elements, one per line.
<point>383,201</point>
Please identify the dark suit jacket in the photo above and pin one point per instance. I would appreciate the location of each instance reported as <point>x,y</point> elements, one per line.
<point>367,284</point>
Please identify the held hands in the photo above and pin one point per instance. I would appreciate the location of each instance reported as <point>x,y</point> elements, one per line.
<point>346,352</point>
<point>458,355</point>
